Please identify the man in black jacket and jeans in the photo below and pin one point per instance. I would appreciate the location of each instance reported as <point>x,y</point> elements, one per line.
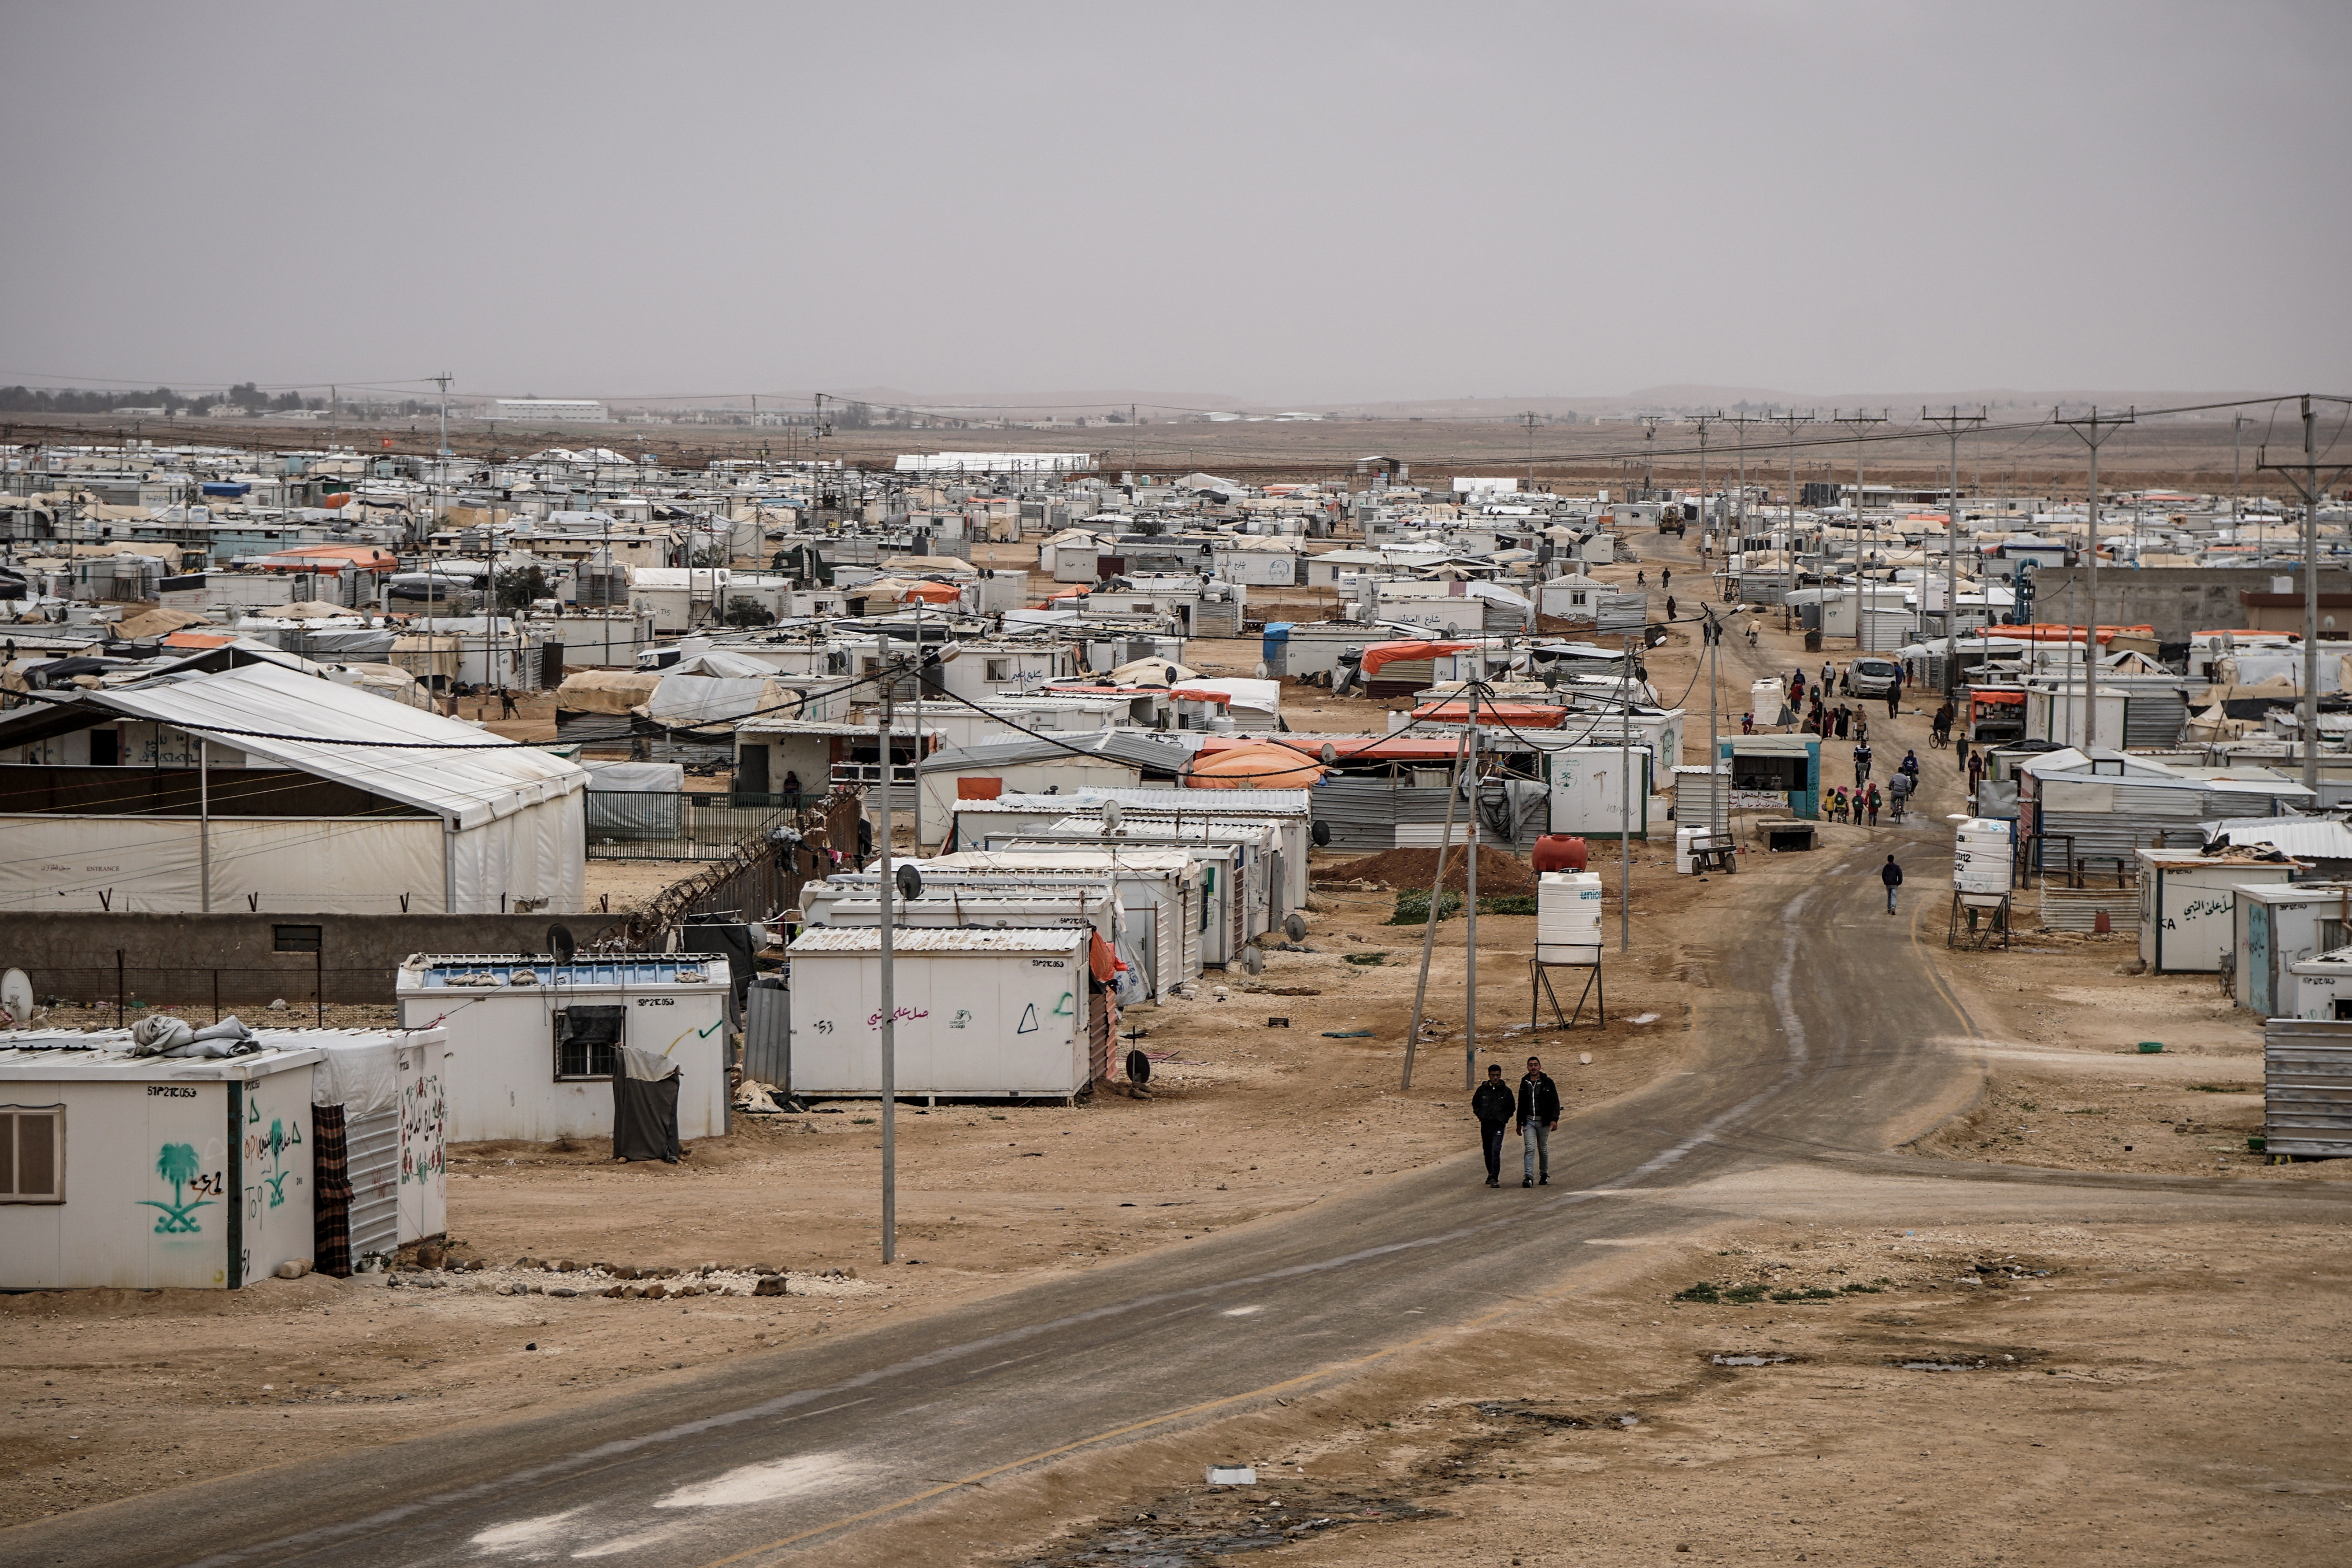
<point>1539,1109</point>
<point>1493,1105</point>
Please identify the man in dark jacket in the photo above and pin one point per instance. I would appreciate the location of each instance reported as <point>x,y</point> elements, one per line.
<point>1493,1105</point>
<point>1892,875</point>
<point>1539,1109</point>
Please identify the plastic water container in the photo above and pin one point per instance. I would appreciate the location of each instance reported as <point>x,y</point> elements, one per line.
<point>1559,852</point>
<point>1568,917</point>
<point>1683,838</point>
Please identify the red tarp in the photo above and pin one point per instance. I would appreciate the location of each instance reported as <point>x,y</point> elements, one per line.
<point>1383,653</point>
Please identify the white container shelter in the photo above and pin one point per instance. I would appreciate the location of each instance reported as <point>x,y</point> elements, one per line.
<point>530,1041</point>
<point>981,1014</point>
<point>2279,925</point>
<point>148,1172</point>
<point>1164,902</point>
<point>2187,906</point>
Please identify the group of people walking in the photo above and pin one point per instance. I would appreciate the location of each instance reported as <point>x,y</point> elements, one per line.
<point>1535,1107</point>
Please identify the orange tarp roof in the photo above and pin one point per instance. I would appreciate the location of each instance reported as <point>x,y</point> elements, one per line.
<point>1383,653</point>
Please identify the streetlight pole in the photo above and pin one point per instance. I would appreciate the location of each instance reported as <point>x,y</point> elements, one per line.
<point>1861,423</point>
<point>2308,487</point>
<point>1790,543</point>
<point>1951,423</point>
<point>2096,432</point>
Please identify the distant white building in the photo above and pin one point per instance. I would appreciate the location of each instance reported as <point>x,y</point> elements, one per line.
<point>564,410</point>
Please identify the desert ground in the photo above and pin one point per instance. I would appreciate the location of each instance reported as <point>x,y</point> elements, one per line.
<point>1790,1386</point>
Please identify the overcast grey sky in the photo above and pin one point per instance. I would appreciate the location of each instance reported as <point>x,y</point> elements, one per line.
<point>1274,201</point>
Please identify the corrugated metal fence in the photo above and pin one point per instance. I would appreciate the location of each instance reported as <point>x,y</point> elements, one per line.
<point>2307,1087</point>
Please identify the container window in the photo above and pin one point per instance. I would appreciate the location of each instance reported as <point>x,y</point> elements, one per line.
<point>585,1041</point>
<point>32,1154</point>
<point>296,939</point>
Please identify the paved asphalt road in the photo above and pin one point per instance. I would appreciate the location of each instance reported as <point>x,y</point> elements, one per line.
<point>1821,1038</point>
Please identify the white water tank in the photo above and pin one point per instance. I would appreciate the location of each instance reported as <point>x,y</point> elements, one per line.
<point>1568,917</point>
<point>1980,855</point>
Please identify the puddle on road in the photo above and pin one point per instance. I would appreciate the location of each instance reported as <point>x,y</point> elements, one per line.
<point>1943,1365</point>
<point>1749,1359</point>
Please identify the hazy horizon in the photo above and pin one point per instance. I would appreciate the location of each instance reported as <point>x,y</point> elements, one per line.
<point>1298,206</point>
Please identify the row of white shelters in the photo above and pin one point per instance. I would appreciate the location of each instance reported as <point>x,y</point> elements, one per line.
<point>267,788</point>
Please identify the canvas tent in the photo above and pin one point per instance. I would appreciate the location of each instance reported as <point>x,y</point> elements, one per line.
<point>262,787</point>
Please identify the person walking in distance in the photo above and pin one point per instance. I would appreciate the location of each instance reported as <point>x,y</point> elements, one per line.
<point>1539,1111</point>
<point>1892,875</point>
<point>1494,1105</point>
<point>1861,761</point>
<point>1894,699</point>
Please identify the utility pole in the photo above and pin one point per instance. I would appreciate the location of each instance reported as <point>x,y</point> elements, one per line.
<point>1741,422</point>
<point>1705,523</point>
<point>889,988</point>
<point>1950,424</point>
<point>1860,423</point>
<point>444,379</point>
<point>1718,810</point>
<point>2237,446</point>
<point>1791,421</point>
<point>1649,469</point>
<point>1529,419</point>
<point>1625,801</point>
<point>2094,432</point>
<point>1470,903</point>
<point>2309,488</point>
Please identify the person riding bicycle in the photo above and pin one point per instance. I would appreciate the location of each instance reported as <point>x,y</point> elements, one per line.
<point>1909,767</point>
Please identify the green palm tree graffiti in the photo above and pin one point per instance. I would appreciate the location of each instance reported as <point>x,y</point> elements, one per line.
<point>176,1163</point>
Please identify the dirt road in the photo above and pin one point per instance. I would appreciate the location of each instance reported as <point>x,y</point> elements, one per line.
<point>1806,1055</point>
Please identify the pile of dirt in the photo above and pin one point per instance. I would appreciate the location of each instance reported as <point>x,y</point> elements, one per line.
<point>1499,872</point>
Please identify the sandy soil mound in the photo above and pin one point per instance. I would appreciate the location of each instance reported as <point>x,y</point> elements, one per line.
<point>1499,872</point>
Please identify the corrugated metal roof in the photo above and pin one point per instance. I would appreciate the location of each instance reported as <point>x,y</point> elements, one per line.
<point>486,974</point>
<point>2304,837</point>
<point>1190,802</point>
<point>938,939</point>
<point>1140,749</point>
<point>474,780</point>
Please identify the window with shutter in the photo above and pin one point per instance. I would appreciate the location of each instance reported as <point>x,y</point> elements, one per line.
<point>32,1153</point>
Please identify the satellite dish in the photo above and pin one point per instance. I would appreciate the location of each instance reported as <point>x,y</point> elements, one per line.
<point>15,1000</point>
<point>1138,1066</point>
<point>1330,754</point>
<point>1321,834</point>
<point>909,880</point>
<point>559,943</point>
<point>1112,815</point>
<point>1294,926</point>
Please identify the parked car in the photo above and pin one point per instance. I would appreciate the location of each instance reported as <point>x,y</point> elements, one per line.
<point>1873,677</point>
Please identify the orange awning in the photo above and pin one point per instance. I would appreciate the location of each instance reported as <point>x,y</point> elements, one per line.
<point>1266,764</point>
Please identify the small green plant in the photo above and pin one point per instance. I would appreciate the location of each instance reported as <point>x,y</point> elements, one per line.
<point>1703,1291</point>
<point>1744,1295</point>
<point>1809,1293</point>
<point>1365,960</point>
<point>1860,1290</point>
<point>861,1122</point>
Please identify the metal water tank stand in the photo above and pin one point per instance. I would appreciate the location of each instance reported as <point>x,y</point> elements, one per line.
<point>1539,987</point>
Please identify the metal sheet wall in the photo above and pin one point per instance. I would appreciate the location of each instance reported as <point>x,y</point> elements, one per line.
<point>2307,1087</point>
<point>372,1146</point>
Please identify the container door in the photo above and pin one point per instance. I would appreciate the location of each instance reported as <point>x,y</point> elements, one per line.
<point>2261,987</point>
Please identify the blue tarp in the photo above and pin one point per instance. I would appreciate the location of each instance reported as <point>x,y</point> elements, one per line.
<point>213,489</point>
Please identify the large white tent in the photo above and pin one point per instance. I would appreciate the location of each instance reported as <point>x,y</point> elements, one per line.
<point>453,819</point>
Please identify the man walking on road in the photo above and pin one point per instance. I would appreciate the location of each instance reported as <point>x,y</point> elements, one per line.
<point>1539,1116</point>
<point>1892,875</point>
<point>1493,1105</point>
<point>1862,762</point>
